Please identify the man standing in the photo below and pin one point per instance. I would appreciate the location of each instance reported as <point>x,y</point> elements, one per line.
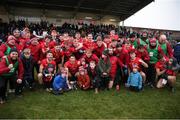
<point>153,50</point>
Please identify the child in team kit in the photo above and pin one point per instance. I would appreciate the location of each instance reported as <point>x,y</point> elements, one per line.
<point>48,75</point>
<point>83,79</point>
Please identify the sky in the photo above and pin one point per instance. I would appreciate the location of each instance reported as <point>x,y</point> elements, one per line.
<point>160,14</point>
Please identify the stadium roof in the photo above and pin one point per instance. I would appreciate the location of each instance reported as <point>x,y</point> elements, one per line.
<point>120,8</point>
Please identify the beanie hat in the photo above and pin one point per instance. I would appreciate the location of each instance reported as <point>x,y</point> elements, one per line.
<point>132,35</point>
<point>11,37</point>
<point>13,50</point>
<point>153,40</point>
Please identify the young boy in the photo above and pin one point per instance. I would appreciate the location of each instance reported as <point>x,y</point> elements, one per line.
<point>83,79</point>
<point>92,73</point>
<point>28,64</point>
<point>48,74</point>
<point>83,63</point>
<point>60,83</point>
<point>134,80</point>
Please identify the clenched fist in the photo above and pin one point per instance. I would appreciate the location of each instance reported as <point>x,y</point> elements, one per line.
<point>19,81</point>
<point>10,66</point>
